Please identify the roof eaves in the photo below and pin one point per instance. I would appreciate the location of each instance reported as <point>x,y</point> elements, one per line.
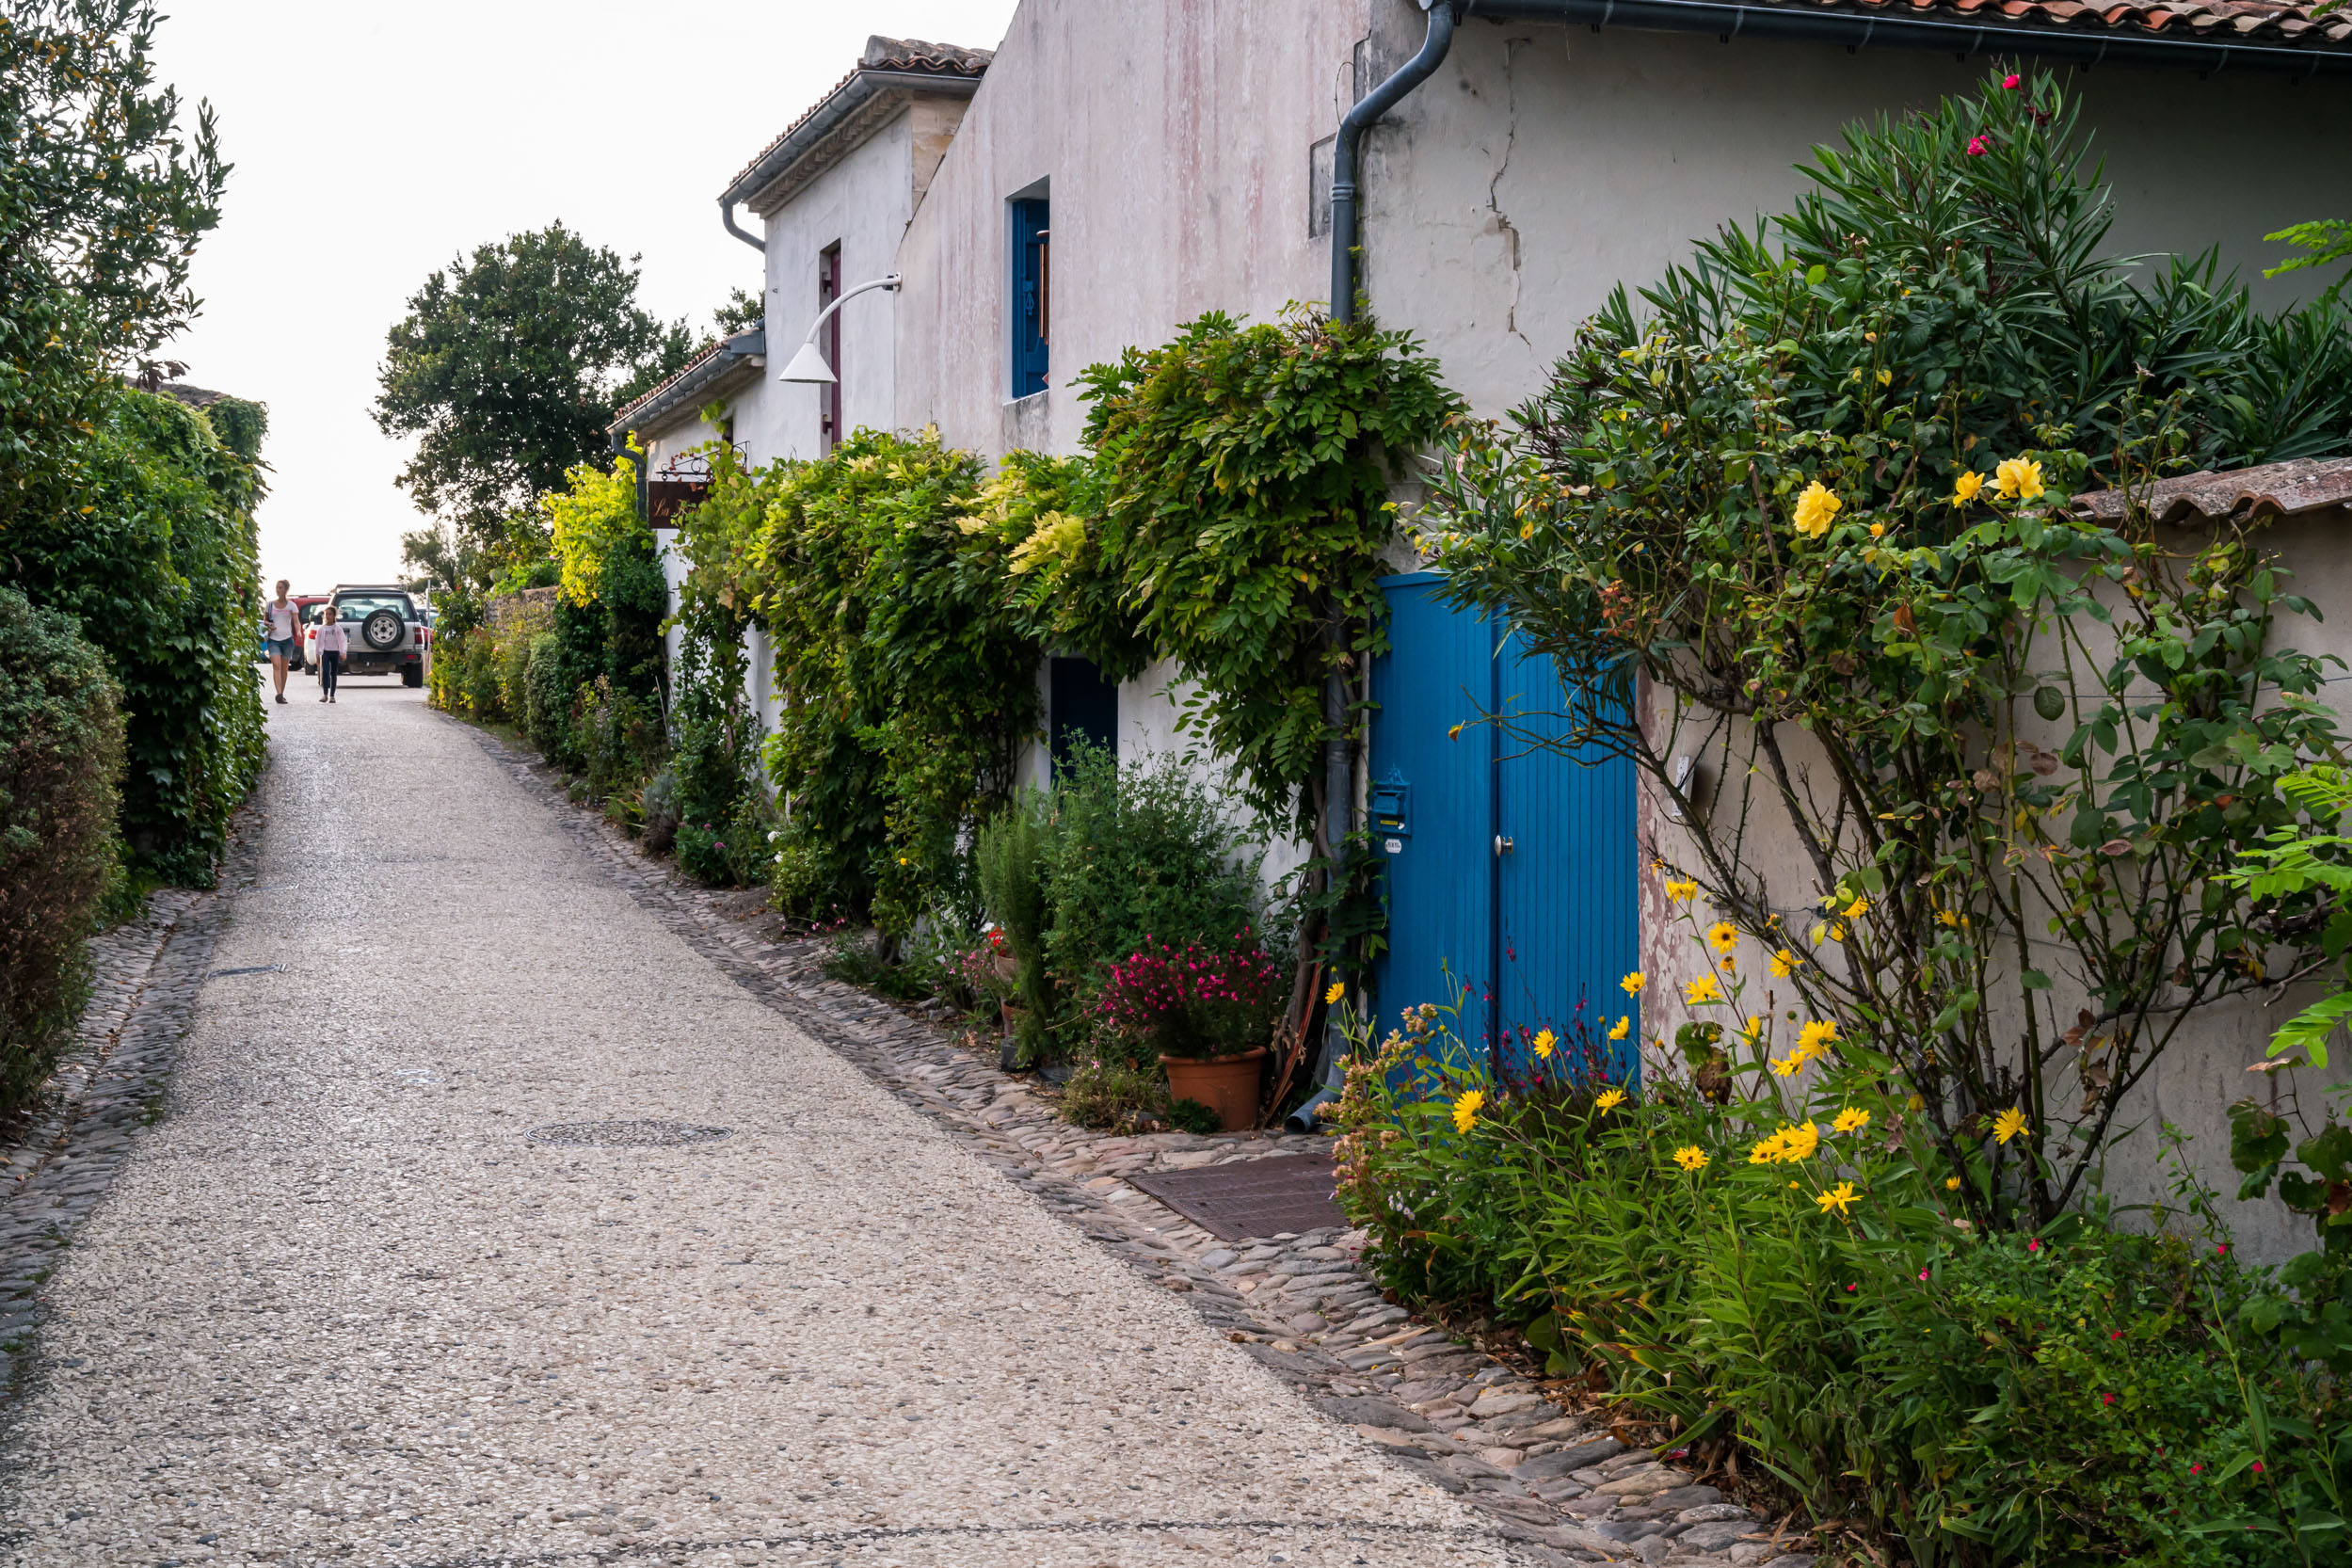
<point>719,368</point>
<point>907,64</point>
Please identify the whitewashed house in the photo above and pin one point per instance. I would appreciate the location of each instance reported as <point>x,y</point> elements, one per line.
<point>1109,171</point>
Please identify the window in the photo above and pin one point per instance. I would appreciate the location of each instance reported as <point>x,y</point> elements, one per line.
<point>830,430</point>
<point>1033,296</point>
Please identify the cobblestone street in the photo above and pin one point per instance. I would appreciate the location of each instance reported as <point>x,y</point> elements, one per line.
<point>356,1297</point>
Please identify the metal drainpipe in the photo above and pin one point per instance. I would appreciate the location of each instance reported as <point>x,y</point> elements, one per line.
<point>1339,751</point>
<point>726,215</point>
<point>1348,143</point>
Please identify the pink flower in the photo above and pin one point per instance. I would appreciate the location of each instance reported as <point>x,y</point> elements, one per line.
<point>2034,1245</point>
<point>1979,146</point>
<point>1852,1288</point>
<point>1923,1274</point>
<point>2222,1251</point>
<point>2011,81</point>
<point>2257,1466</point>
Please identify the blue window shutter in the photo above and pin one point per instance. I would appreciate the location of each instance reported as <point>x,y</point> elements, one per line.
<point>1032,306</point>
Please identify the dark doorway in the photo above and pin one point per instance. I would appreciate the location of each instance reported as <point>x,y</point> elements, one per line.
<point>1082,707</point>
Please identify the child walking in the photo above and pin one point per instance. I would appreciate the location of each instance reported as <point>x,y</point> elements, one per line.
<point>332,643</point>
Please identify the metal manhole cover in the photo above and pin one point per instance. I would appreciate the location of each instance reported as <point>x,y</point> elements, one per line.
<point>626,1135</point>
<point>1250,1197</point>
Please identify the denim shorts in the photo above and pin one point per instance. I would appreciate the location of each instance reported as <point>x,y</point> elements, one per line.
<point>282,647</point>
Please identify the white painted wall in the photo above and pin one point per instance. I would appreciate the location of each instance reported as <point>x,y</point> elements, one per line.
<point>862,204</point>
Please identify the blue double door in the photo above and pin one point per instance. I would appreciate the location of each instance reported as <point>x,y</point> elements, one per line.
<point>1510,867</point>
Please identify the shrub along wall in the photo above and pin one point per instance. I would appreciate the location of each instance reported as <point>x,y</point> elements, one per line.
<point>158,562</point>
<point>60,758</point>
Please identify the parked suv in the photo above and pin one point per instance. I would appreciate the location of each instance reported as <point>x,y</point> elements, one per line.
<point>387,632</point>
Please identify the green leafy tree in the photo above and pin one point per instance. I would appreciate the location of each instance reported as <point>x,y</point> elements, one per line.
<point>740,311</point>
<point>105,198</point>
<point>507,369</point>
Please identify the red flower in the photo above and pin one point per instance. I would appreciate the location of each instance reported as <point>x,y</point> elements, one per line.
<point>2116,1335</point>
<point>2257,1466</point>
<point>2034,1245</point>
<point>2107,1398</point>
<point>1979,146</point>
<point>2196,1469</point>
<point>2011,81</point>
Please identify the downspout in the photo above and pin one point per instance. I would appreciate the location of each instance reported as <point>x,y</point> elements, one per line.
<point>1349,141</point>
<point>1339,747</point>
<point>726,215</point>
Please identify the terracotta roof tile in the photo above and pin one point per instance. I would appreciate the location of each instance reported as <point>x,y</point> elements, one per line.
<point>2273,490</point>
<point>2218,19</point>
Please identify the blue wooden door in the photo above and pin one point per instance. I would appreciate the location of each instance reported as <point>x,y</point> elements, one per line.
<point>1510,867</point>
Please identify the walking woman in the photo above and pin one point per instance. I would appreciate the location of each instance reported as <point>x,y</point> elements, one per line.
<point>332,643</point>
<point>280,625</point>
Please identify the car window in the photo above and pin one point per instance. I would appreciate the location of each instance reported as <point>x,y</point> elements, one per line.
<point>359,607</point>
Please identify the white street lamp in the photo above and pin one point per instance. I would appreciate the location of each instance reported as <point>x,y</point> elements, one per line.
<point>809,364</point>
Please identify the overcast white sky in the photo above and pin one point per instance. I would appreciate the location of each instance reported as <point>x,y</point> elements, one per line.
<point>373,143</point>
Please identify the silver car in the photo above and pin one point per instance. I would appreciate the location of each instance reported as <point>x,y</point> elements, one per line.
<point>386,629</point>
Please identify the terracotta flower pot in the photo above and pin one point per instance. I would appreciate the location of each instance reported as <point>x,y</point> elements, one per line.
<point>1226,1084</point>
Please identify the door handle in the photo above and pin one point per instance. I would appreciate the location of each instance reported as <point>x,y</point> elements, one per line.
<point>1503,844</point>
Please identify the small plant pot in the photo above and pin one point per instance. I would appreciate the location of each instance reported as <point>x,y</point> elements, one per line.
<point>1226,1084</point>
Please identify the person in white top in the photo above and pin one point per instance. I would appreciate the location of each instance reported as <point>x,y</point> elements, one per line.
<point>333,642</point>
<point>278,629</point>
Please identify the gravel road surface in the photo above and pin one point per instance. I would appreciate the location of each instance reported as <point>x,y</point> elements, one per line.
<point>341,1306</point>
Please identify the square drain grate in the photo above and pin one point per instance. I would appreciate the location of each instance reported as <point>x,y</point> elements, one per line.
<point>1250,1197</point>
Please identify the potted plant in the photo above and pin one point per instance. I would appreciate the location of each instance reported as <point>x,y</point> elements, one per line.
<point>1206,1013</point>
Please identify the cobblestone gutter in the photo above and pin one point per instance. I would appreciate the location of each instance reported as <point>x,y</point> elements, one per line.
<point>1564,1488</point>
<point>110,1084</point>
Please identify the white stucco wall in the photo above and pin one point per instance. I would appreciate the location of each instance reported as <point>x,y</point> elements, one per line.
<point>861,204</point>
<point>1544,165</point>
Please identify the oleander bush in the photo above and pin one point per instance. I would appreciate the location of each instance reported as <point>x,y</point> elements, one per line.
<point>60,756</point>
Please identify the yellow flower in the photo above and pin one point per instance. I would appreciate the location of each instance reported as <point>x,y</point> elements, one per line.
<point>1914,1103</point>
<point>1466,1109</point>
<point>2009,1124</point>
<point>1722,936</point>
<point>1964,489</point>
<point>1851,1120</point>
<point>1799,1142</point>
<point>1786,1065</point>
<point>1837,934</point>
<point>1837,1197</point>
<point>1702,990</point>
<point>1858,908</point>
<point>1755,1027</point>
<point>1633,982</point>
<point>1609,1099</point>
<point>1691,1157</point>
<point>1951,1184</point>
<point>1542,1043</point>
<point>1769,1151</point>
<point>1339,989</point>
<point>1682,893</point>
<point>1878,530</point>
<point>1816,509</point>
<point>1454,734</point>
<point>1816,1038</point>
<point>1945,916</point>
<point>1784,963</point>
<point>2018,479</point>
<point>1727,963</point>
<point>1624,1027</point>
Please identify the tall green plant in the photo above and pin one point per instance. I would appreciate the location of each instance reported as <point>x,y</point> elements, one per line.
<point>1247,473</point>
<point>1816,499</point>
<point>1010,859</point>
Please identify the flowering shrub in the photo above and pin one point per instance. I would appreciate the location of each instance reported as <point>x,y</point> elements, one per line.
<point>1194,1000</point>
<point>1961,747</point>
<point>1765,1246</point>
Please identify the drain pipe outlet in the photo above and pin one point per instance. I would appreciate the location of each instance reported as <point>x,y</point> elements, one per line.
<point>726,215</point>
<point>1345,147</point>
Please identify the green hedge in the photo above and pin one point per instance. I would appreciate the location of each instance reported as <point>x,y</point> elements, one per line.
<point>158,562</point>
<point>60,753</point>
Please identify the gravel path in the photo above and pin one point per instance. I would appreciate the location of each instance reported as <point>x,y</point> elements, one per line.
<point>340,1306</point>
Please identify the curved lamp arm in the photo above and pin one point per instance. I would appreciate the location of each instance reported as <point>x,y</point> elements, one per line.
<point>809,364</point>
